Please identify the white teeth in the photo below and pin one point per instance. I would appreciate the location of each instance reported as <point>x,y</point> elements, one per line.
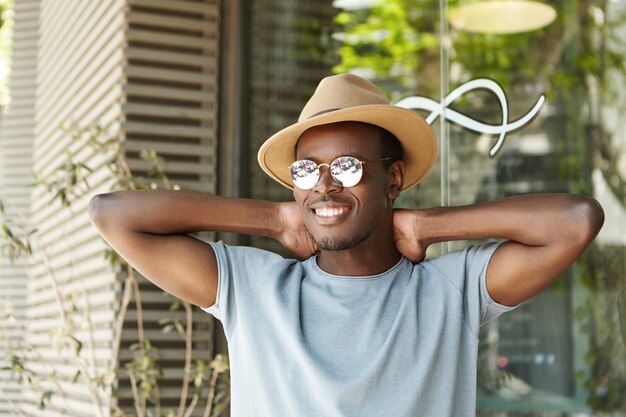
<point>330,212</point>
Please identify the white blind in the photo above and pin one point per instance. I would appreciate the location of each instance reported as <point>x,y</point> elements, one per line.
<point>79,81</point>
<point>143,70</point>
<point>17,128</point>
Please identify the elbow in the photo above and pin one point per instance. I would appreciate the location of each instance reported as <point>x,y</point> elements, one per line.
<point>589,216</point>
<point>101,211</point>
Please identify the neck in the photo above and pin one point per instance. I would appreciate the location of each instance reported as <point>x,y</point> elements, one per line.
<point>362,260</point>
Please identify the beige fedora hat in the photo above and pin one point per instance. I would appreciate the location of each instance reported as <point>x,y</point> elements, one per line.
<point>347,97</point>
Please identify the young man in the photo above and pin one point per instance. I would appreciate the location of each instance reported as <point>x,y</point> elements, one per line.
<point>364,326</point>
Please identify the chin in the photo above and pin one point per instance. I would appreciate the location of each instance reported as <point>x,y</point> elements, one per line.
<point>336,243</point>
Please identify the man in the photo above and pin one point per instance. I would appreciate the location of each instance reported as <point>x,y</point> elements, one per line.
<point>366,327</point>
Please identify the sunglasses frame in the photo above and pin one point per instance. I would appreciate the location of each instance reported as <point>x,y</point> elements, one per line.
<point>319,166</point>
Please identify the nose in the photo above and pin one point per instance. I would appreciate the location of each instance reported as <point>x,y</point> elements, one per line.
<point>326,184</point>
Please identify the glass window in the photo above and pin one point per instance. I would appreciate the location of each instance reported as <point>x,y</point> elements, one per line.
<point>564,350</point>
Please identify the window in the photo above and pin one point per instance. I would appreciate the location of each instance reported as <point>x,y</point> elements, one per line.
<point>563,351</point>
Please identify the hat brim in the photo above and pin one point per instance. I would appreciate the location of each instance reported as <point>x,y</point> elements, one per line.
<point>415,135</point>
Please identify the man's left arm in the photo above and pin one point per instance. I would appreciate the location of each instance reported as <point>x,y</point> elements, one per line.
<point>545,233</point>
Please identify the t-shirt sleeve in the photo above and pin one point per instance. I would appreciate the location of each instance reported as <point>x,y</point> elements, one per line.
<point>246,278</point>
<point>478,258</point>
<point>467,271</point>
<point>222,282</point>
<point>239,271</point>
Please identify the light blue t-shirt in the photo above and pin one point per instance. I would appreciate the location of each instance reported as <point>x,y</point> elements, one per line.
<point>306,343</point>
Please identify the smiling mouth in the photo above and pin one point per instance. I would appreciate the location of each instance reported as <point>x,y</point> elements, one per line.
<point>330,211</point>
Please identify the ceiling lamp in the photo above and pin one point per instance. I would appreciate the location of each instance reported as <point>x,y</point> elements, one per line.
<point>502,16</point>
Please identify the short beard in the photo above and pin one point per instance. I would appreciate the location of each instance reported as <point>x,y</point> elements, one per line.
<point>338,244</point>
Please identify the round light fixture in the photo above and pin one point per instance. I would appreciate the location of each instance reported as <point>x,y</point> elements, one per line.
<point>502,16</point>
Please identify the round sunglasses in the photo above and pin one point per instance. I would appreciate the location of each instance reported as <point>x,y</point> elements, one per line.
<point>346,170</point>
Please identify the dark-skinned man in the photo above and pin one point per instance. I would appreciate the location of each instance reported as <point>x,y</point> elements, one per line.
<point>360,324</point>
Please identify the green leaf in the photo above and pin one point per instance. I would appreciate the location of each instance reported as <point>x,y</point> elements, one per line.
<point>84,166</point>
<point>78,344</point>
<point>76,377</point>
<point>6,231</point>
<point>45,397</point>
<point>179,328</point>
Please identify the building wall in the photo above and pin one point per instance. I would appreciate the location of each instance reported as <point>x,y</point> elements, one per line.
<point>79,82</point>
<point>17,128</point>
<point>146,73</point>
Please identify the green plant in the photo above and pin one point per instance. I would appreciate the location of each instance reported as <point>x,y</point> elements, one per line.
<point>66,184</point>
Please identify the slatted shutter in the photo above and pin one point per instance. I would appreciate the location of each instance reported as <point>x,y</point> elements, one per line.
<point>172,86</point>
<point>17,128</point>
<point>79,81</point>
<point>145,71</point>
<point>170,106</point>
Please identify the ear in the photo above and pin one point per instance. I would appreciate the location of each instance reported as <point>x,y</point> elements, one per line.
<point>396,179</point>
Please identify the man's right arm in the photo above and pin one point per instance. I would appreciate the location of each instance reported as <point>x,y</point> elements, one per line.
<point>149,229</point>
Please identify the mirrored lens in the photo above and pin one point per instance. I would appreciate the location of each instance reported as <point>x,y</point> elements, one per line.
<point>304,174</point>
<point>347,169</point>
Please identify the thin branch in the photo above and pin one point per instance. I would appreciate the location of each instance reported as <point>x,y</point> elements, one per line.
<point>91,389</point>
<point>222,405</point>
<point>15,410</point>
<point>138,306</point>
<point>192,405</point>
<point>187,371</point>
<point>133,387</point>
<point>90,339</point>
<point>211,396</point>
<point>119,324</point>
